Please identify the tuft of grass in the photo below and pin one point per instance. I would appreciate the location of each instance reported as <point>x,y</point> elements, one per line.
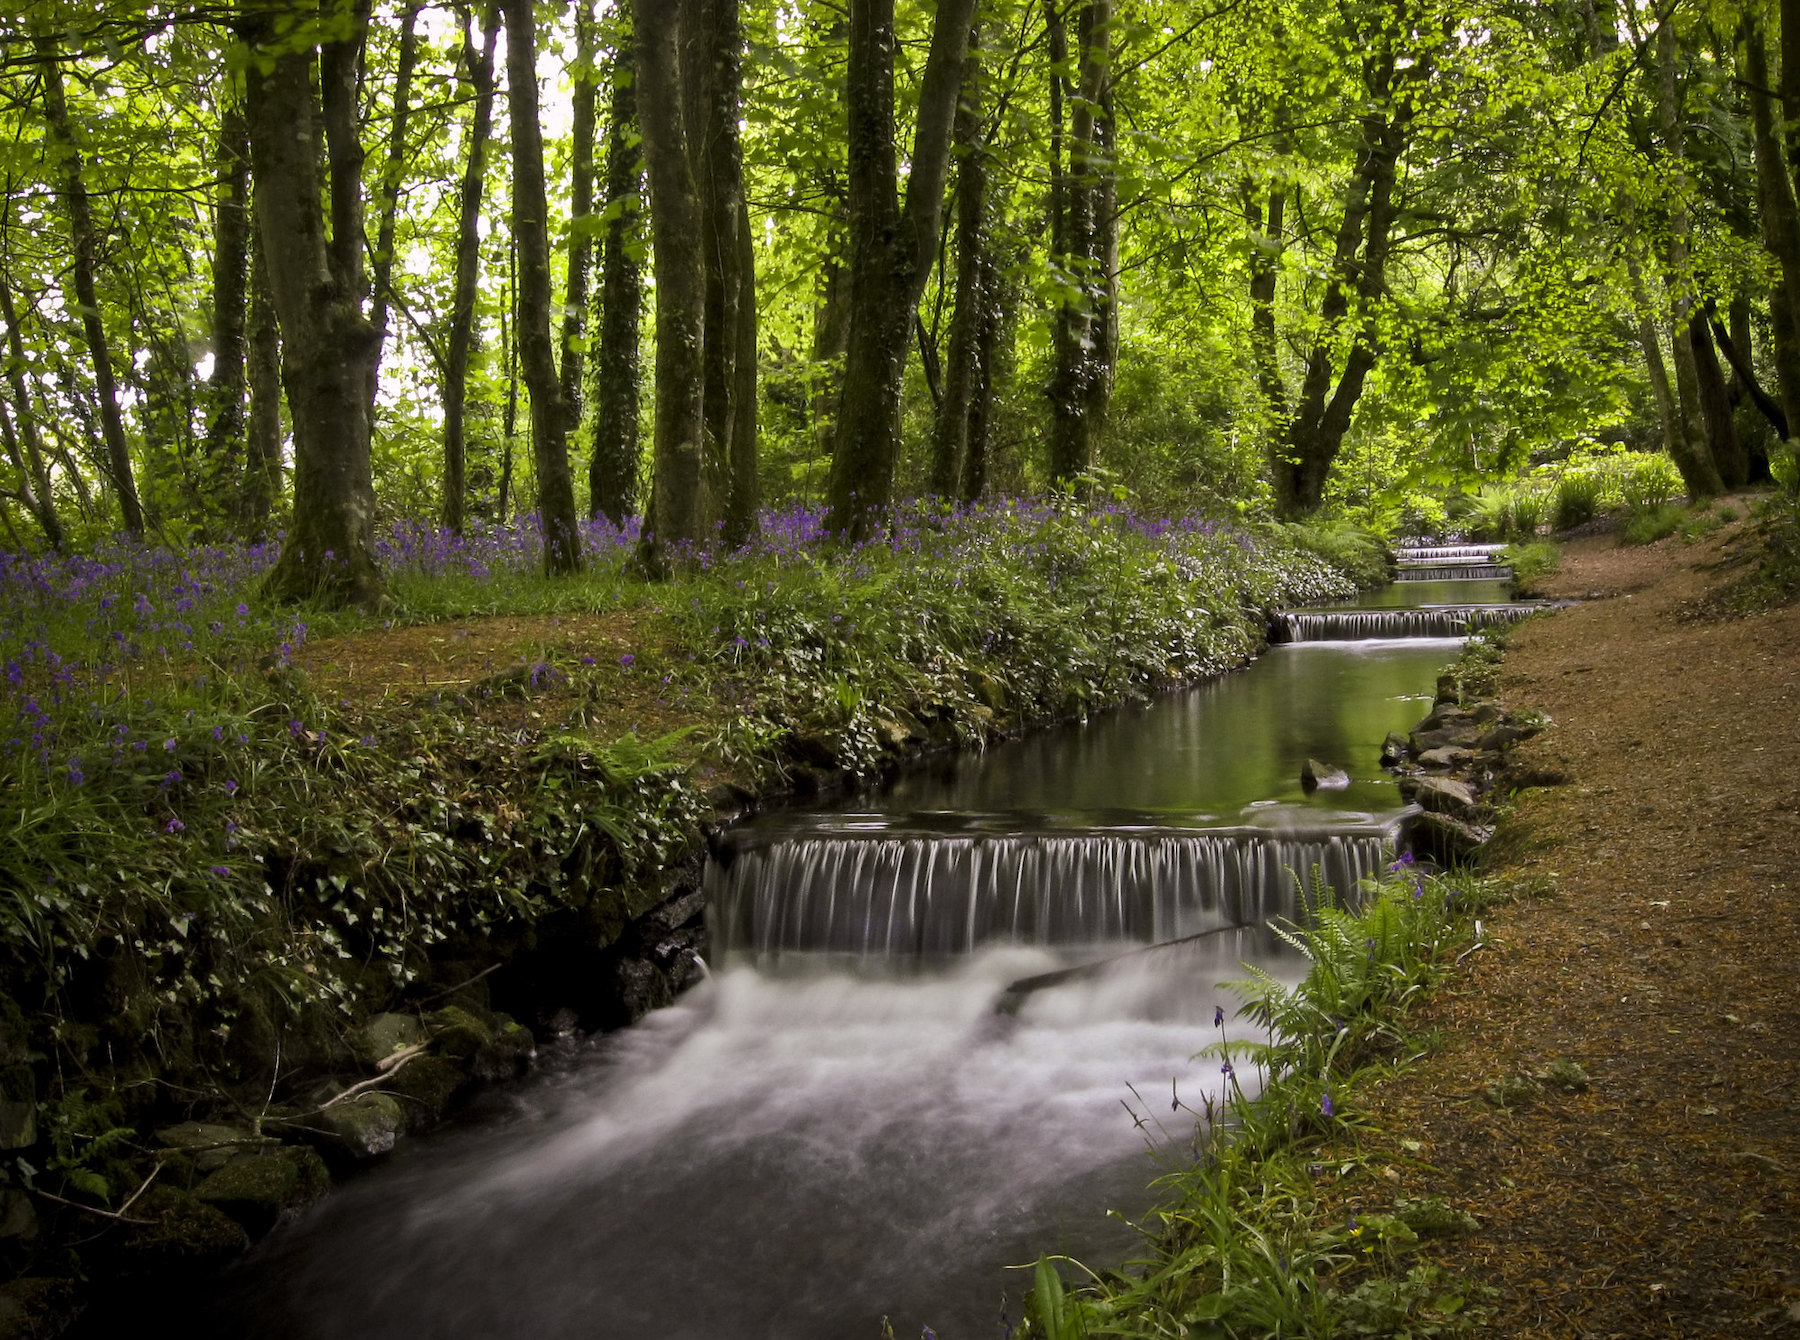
<point>1531,562</point>
<point>1650,524</point>
<point>1576,500</point>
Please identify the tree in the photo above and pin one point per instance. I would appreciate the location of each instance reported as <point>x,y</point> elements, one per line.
<point>302,142</point>
<point>891,244</point>
<point>612,475</point>
<point>537,352</point>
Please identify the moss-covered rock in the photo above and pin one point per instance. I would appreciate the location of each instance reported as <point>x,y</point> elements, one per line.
<point>210,1145</point>
<point>183,1236</point>
<point>425,1087</point>
<point>36,1309</point>
<point>360,1130</point>
<point>508,1056</point>
<point>18,1107</point>
<point>255,1189</point>
<point>383,1035</point>
<point>455,1032</point>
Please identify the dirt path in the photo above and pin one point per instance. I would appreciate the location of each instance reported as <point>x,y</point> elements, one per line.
<point>1664,1200</point>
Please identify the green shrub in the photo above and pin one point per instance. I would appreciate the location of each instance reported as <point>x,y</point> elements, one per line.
<point>1527,511</point>
<point>1532,562</point>
<point>1361,554</point>
<point>1648,524</point>
<point>1577,499</point>
<point>1650,484</point>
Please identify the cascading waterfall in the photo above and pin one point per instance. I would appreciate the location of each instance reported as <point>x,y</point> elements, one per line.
<point>1453,572</point>
<point>893,897</point>
<point>1361,625</point>
<point>1452,553</point>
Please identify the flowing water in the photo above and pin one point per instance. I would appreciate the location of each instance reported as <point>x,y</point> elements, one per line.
<point>854,1117</point>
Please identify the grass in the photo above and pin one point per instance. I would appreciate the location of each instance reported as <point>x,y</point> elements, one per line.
<point>1531,562</point>
<point>1652,523</point>
<point>1244,1244</point>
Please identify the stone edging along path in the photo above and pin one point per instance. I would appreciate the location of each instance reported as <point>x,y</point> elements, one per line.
<point>1658,1194</point>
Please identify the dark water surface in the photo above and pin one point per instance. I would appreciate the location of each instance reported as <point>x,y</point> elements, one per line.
<point>815,1139</point>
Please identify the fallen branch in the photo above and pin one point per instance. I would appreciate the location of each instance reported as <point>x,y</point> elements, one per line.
<point>118,1215</point>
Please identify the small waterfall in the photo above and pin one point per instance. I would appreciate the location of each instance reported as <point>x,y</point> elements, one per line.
<point>1451,553</point>
<point>1357,625</point>
<point>902,897</point>
<point>1453,572</point>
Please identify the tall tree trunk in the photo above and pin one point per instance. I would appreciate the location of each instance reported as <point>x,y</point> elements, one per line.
<point>682,502</point>
<point>86,301</point>
<point>478,66</point>
<point>613,474</point>
<point>890,246</point>
<point>1081,336</point>
<point>317,284</point>
<point>1699,471</point>
<point>387,202</point>
<point>1316,429</point>
<point>831,338</point>
<point>711,74</point>
<point>1780,217</point>
<point>586,80</point>
<point>537,350</point>
<point>1265,227</point>
<point>261,483</point>
<point>962,371</point>
<point>231,300</point>
<point>1668,415</point>
<point>1715,406</point>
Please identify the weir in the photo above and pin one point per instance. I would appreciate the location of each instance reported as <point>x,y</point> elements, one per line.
<point>1450,553</point>
<point>1453,572</point>
<point>1354,625</point>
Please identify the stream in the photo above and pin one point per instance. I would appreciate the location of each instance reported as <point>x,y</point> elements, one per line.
<point>842,1123</point>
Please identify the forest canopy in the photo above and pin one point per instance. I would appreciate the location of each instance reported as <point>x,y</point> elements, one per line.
<point>282,269</point>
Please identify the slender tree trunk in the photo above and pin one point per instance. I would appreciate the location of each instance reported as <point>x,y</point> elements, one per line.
<point>581,209</point>
<point>1695,461</point>
<point>613,474</point>
<point>1081,336</point>
<point>537,351</point>
<point>231,300</point>
<point>478,65</point>
<point>890,246</point>
<point>1316,429</point>
<point>317,283</point>
<point>1265,227</point>
<point>387,204</point>
<point>86,300</point>
<point>682,502</point>
<point>1661,391</point>
<point>261,483</point>
<point>962,371</point>
<point>27,451</point>
<point>831,338</point>
<point>711,75</point>
<point>1780,218</point>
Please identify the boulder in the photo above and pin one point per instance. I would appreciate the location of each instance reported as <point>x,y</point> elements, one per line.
<point>1506,733</point>
<point>457,1033</point>
<point>1486,713</point>
<point>425,1086</point>
<point>211,1145</point>
<point>361,1129</point>
<point>184,1236</point>
<point>1441,795</point>
<point>255,1189</point>
<point>1449,756</point>
<point>1317,776</point>
<point>383,1035</point>
<point>1442,715</point>
<point>1447,840</point>
<point>509,1055</point>
<point>18,1217</point>
<point>1395,749</point>
<point>1456,734</point>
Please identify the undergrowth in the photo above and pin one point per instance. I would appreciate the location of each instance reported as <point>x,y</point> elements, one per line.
<point>1244,1244</point>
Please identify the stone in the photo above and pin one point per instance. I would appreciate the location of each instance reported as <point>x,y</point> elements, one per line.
<point>213,1144</point>
<point>1317,776</point>
<point>1449,756</point>
<point>1499,737</point>
<point>1440,795</point>
<point>1446,839</point>
<point>1434,1217</point>
<point>425,1086</point>
<point>457,1033</point>
<point>1444,714</point>
<point>383,1035</point>
<point>640,987</point>
<point>18,1107</point>
<point>15,1037</point>
<point>255,1189</point>
<point>1521,779</point>
<point>681,910</point>
<point>1395,749</point>
<point>18,1216</point>
<point>508,1056</point>
<point>361,1129</point>
<point>184,1236</point>
<point>1511,1090</point>
<point>1569,1076</point>
<point>1459,734</point>
<point>1486,713</point>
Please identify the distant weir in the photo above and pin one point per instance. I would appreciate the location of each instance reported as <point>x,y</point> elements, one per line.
<point>1360,625</point>
<point>1451,553</point>
<point>1453,572</point>
<point>914,896</point>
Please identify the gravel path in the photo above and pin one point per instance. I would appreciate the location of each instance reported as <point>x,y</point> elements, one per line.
<point>1664,1198</point>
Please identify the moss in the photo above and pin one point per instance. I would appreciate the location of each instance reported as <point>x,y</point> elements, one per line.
<point>183,1235</point>
<point>254,1189</point>
<point>426,1085</point>
<point>456,1032</point>
<point>36,1309</point>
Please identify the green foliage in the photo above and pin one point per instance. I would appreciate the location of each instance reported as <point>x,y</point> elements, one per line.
<point>1576,500</point>
<point>1650,524</point>
<point>1362,554</point>
<point>1531,562</point>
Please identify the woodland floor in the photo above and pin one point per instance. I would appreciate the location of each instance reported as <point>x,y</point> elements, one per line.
<point>1663,957</point>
